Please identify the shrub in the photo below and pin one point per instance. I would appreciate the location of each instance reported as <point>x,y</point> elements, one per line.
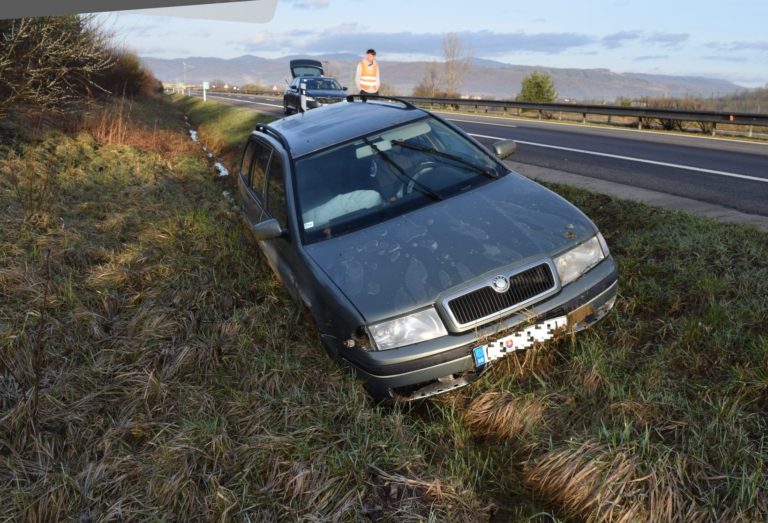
<point>49,62</point>
<point>127,77</point>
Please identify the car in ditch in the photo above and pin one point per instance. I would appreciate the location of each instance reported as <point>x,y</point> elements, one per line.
<point>420,256</point>
<point>309,80</point>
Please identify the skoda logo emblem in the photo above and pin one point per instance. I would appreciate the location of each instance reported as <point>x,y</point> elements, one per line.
<point>500,284</point>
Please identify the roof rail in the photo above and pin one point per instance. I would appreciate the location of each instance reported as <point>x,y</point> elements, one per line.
<point>273,133</point>
<point>374,97</point>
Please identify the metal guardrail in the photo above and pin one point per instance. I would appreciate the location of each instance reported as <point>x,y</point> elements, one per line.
<point>642,114</point>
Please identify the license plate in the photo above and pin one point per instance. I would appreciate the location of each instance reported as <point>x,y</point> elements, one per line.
<point>520,340</point>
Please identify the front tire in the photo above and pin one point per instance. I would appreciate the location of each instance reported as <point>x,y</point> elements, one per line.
<point>286,110</point>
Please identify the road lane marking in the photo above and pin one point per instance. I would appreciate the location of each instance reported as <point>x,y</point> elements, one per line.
<point>247,101</point>
<point>480,123</point>
<point>631,159</point>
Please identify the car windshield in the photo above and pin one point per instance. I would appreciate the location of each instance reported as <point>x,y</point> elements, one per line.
<point>324,84</point>
<point>383,175</point>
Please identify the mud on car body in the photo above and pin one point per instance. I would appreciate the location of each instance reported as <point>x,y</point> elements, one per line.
<point>421,257</point>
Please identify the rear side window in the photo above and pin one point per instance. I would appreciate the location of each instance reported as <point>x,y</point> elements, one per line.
<point>276,205</point>
<point>245,166</point>
<point>259,165</point>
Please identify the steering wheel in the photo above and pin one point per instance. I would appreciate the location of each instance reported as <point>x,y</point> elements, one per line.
<point>423,169</point>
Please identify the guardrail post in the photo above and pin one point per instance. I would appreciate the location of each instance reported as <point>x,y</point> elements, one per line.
<point>750,131</point>
<point>639,124</point>
<point>714,128</point>
<point>560,117</point>
<point>539,114</point>
<point>584,118</point>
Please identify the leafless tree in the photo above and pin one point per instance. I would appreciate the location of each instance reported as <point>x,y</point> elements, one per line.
<point>456,66</point>
<point>458,62</point>
<point>49,61</point>
<point>429,84</point>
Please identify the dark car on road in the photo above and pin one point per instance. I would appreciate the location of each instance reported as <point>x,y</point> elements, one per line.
<point>319,90</point>
<point>420,255</point>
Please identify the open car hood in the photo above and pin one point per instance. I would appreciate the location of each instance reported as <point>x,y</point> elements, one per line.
<point>306,67</point>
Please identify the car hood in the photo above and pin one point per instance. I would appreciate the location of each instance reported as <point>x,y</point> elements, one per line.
<point>405,263</point>
<point>333,93</point>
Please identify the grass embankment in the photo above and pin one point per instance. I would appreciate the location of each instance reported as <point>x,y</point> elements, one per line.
<point>152,368</point>
<point>174,375</point>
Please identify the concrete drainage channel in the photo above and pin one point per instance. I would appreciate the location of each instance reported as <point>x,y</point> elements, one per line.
<point>213,162</point>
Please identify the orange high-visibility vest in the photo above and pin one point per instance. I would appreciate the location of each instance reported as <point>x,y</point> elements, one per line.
<point>369,75</point>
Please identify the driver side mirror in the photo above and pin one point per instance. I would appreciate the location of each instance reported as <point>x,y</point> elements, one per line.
<point>344,88</point>
<point>504,149</point>
<point>267,230</point>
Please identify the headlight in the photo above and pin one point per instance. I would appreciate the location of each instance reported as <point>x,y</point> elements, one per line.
<point>572,264</point>
<point>416,327</point>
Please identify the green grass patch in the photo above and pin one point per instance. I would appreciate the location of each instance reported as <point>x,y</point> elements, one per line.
<point>222,128</point>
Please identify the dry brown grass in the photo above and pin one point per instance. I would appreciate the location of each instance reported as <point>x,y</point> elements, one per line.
<point>402,498</point>
<point>504,415</point>
<point>112,123</point>
<point>599,482</point>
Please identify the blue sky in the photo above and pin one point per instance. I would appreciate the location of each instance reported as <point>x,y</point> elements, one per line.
<point>717,39</point>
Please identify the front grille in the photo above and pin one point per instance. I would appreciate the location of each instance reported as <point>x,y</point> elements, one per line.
<point>485,301</point>
<point>327,100</point>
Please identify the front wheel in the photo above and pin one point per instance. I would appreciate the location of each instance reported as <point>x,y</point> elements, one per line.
<point>286,109</point>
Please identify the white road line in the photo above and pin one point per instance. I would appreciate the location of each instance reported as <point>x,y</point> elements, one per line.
<point>481,123</point>
<point>631,159</point>
<point>247,101</point>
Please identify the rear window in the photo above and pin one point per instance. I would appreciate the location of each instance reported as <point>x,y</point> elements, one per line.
<point>324,84</point>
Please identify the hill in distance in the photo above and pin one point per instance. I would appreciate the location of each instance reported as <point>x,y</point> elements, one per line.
<point>487,78</point>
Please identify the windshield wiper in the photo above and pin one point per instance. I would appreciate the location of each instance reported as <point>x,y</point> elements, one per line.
<point>458,159</point>
<point>401,172</point>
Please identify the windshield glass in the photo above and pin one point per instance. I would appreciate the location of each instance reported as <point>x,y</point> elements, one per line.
<point>325,84</point>
<point>386,174</point>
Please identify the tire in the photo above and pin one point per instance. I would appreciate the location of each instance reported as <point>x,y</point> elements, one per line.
<point>286,110</point>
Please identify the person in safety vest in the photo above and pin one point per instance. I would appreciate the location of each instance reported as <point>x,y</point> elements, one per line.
<point>367,74</point>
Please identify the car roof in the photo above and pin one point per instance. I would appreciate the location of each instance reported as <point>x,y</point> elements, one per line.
<point>340,122</point>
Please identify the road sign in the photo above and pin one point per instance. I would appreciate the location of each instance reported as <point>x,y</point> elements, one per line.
<point>206,86</point>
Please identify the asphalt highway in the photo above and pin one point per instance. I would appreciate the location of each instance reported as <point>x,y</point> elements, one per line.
<point>726,172</point>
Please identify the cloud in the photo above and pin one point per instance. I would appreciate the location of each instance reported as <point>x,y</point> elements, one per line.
<point>668,40</point>
<point>309,4</point>
<point>483,43</point>
<point>650,57</point>
<point>158,50</point>
<point>612,41</point>
<point>354,38</point>
<point>268,41</point>
<point>350,27</point>
<point>739,46</point>
<point>725,58</point>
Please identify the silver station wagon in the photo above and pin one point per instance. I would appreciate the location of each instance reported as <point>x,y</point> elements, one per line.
<point>420,256</point>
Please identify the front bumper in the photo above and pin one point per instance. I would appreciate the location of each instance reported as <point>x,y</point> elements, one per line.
<point>446,363</point>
